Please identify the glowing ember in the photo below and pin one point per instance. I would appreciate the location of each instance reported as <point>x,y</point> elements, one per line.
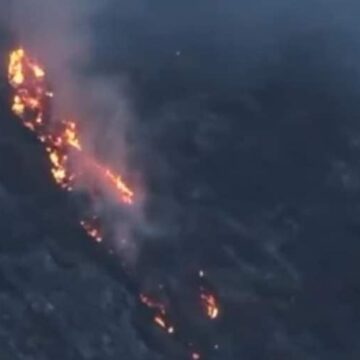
<point>195,356</point>
<point>161,321</point>
<point>160,317</point>
<point>38,71</point>
<point>210,305</point>
<point>91,230</point>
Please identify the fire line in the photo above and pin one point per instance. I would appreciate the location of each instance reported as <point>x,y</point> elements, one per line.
<point>61,140</point>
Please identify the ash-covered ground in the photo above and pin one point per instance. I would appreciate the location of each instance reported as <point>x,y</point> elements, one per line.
<point>246,133</point>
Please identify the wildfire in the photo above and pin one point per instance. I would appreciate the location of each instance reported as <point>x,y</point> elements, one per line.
<point>19,64</point>
<point>210,304</point>
<point>62,143</point>
<point>65,150</point>
<point>16,71</point>
<point>160,315</point>
<point>126,194</point>
<point>71,136</point>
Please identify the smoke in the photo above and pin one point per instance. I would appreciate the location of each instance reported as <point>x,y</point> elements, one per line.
<point>60,35</point>
<point>245,107</point>
<point>57,33</point>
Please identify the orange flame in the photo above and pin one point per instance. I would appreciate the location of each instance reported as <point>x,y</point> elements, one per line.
<point>160,317</point>
<point>16,71</point>
<point>27,77</point>
<point>161,321</point>
<point>63,146</point>
<point>71,136</point>
<point>210,305</point>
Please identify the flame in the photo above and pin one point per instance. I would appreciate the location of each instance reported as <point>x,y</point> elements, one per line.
<point>16,71</point>
<point>71,136</point>
<point>92,230</point>
<point>117,181</point>
<point>210,305</point>
<point>160,315</point>
<point>63,145</point>
<point>18,106</point>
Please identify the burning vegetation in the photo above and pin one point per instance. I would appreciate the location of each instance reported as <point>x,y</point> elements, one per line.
<point>62,142</point>
<point>210,304</point>
<point>61,139</point>
<point>160,316</point>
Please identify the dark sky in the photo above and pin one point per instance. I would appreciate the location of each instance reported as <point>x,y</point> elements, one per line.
<point>245,131</point>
